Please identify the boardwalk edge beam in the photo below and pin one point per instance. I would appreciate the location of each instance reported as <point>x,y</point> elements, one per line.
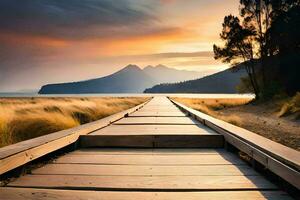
<point>285,164</point>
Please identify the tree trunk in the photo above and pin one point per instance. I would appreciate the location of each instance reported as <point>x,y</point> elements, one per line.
<point>253,80</point>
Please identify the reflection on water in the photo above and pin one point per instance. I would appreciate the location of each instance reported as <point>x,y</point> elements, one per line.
<point>130,94</point>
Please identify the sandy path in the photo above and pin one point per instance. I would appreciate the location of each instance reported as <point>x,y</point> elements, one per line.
<point>263,120</point>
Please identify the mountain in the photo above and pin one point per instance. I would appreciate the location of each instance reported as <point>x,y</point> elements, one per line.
<point>221,82</point>
<point>130,79</point>
<point>163,74</point>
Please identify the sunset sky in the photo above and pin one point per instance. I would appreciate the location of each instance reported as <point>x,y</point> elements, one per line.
<point>48,41</point>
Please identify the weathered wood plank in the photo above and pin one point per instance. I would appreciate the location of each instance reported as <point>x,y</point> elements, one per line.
<point>136,183</point>
<point>214,159</point>
<point>157,120</point>
<point>137,141</point>
<point>161,109</point>
<point>187,141</point>
<point>138,170</point>
<point>141,151</point>
<point>157,114</point>
<point>155,130</point>
<point>153,141</point>
<point>34,194</point>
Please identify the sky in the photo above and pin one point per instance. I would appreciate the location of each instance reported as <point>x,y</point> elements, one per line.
<point>49,41</point>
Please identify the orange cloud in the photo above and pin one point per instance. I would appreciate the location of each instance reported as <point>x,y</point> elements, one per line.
<point>31,40</point>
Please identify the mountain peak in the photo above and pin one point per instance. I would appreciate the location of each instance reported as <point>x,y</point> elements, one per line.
<point>155,68</point>
<point>131,66</point>
<point>148,67</point>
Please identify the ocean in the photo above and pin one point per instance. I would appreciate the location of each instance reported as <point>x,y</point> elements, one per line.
<point>194,95</point>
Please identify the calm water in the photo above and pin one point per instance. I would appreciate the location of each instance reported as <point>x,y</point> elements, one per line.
<point>129,95</point>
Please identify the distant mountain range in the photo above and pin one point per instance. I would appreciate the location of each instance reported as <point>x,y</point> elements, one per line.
<point>130,79</point>
<point>222,82</point>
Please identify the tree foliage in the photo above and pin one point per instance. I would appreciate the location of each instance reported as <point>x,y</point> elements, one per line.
<point>238,47</point>
<point>266,38</point>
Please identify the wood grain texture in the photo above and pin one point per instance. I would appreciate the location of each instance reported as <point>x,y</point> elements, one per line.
<point>138,170</point>
<point>157,114</point>
<point>214,159</point>
<point>157,120</point>
<point>153,141</point>
<point>38,194</point>
<point>155,130</point>
<point>147,151</point>
<point>136,183</point>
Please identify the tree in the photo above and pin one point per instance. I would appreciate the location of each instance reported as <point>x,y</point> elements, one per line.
<point>238,47</point>
<point>260,15</point>
<point>257,15</point>
<point>267,39</point>
<point>284,35</point>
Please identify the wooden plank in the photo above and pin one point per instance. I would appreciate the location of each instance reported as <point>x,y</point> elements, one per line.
<point>136,183</point>
<point>153,141</point>
<point>160,109</point>
<point>163,106</point>
<point>21,153</point>
<point>189,141</point>
<point>158,114</point>
<point>34,194</point>
<point>157,120</point>
<point>166,107</point>
<point>125,141</point>
<point>141,151</point>
<point>155,130</point>
<point>216,159</point>
<point>138,170</point>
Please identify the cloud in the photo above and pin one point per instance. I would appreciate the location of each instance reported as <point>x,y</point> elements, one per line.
<point>75,19</point>
<point>166,55</point>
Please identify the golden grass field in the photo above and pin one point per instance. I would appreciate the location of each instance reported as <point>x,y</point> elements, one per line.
<point>26,118</point>
<point>210,106</point>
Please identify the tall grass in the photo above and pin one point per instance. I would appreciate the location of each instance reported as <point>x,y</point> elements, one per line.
<point>210,106</point>
<point>291,107</point>
<point>26,118</point>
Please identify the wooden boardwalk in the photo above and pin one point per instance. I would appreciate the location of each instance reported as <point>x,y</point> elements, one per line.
<point>174,157</point>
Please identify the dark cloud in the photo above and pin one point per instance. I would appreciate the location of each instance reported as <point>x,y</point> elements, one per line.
<point>70,18</point>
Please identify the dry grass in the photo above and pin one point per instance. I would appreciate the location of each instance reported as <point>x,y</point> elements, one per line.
<point>210,106</point>
<point>26,118</point>
<point>259,117</point>
<point>291,107</point>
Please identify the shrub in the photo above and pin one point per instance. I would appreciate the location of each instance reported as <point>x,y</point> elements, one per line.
<point>291,107</point>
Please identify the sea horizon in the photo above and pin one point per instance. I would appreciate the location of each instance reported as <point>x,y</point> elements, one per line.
<point>188,95</point>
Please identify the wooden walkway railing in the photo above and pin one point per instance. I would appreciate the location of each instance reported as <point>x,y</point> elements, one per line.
<point>282,160</point>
